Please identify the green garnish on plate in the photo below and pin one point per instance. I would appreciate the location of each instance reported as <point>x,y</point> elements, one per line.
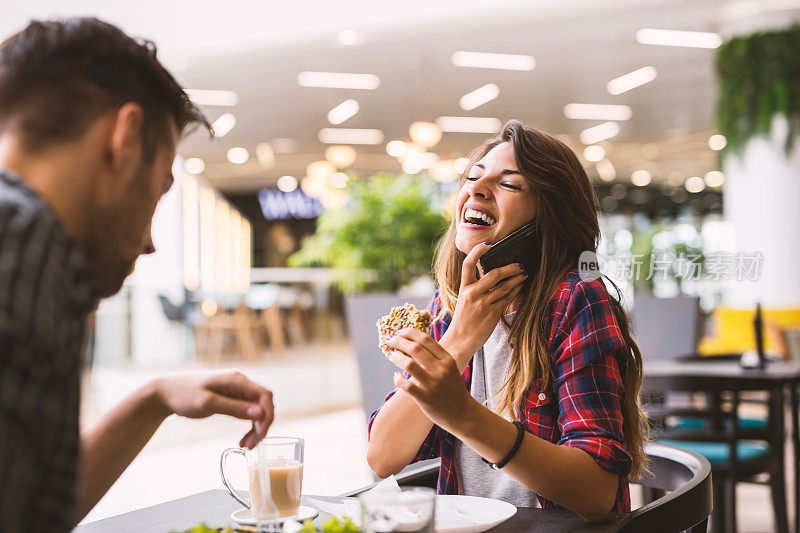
<point>202,528</point>
<point>331,526</point>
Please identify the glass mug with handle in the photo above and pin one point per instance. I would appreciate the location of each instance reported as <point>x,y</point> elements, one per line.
<point>275,470</point>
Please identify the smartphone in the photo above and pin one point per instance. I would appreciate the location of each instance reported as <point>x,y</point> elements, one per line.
<point>523,245</point>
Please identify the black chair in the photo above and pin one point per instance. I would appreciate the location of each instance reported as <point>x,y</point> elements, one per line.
<point>683,476</point>
<point>736,452</point>
<point>684,479</point>
<point>174,313</point>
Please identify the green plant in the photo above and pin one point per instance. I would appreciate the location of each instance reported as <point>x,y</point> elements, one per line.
<point>678,260</point>
<point>382,239</point>
<point>759,77</point>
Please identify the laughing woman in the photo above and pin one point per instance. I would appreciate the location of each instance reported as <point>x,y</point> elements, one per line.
<point>549,415</point>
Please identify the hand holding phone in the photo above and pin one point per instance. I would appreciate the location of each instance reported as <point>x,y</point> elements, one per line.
<point>523,245</point>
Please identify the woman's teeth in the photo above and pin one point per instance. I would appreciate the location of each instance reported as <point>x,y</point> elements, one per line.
<point>476,217</point>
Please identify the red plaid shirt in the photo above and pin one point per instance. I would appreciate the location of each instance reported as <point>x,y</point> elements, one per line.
<point>582,406</point>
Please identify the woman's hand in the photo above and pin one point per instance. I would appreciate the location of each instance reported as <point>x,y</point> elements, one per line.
<point>436,384</point>
<point>481,303</point>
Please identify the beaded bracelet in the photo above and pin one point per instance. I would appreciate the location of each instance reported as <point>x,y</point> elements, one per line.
<point>517,443</point>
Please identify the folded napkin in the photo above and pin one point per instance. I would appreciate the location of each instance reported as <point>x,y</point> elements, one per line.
<point>447,515</point>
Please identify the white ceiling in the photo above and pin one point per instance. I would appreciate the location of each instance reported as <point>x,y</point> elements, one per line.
<point>257,49</point>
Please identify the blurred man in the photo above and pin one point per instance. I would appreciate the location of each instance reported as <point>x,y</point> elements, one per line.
<point>89,122</point>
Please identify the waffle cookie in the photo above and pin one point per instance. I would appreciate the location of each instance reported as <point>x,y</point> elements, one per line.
<point>406,316</point>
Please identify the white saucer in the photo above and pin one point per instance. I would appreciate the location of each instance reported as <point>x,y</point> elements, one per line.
<point>244,518</point>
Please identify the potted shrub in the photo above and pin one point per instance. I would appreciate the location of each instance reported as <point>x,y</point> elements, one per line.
<point>383,239</point>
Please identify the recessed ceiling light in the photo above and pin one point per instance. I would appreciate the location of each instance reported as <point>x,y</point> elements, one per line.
<point>479,96</point>
<point>715,178</point>
<point>287,183</point>
<point>425,134</point>
<point>631,80</point>
<point>238,155</point>
<point>341,155</point>
<point>396,148</point>
<point>314,187</point>
<point>597,112</point>
<point>265,155</point>
<point>338,80</point>
<point>210,97</point>
<point>605,169</point>
<point>598,133</point>
<point>491,60</point>
<point>320,169</point>
<point>350,136</point>
<point>194,165</point>
<point>641,177</point>
<point>690,39</point>
<point>694,184</point>
<point>717,142</point>
<point>348,37</point>
<point>342,112</point>
<point>594,153</point>
<point>469,124</point>
<point>223,125</point>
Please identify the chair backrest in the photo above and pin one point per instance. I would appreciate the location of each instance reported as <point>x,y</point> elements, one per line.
<point>173,312</point>
<point>421,474</point>
<point>363,311</point>
<point>665,328</point>
<point>687,475</point>
<point>713,407</point>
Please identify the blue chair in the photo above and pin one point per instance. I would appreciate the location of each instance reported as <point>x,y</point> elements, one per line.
<point>749,426</point>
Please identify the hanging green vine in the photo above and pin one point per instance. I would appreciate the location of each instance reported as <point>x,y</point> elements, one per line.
<point>759,77</point>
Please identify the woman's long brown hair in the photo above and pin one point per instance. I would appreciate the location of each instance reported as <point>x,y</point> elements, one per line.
<point>567,219</point>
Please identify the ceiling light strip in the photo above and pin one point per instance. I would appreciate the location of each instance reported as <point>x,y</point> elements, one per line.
<point>342,112</point>
<point>493,61</point>
<point>597,112</point>
<point>469,124</point>
<point>479,96</point>
<point>598,133</point>
<point>212,97</point>
<point>338,80</point>
<point>350,136</point>
<point>631,80</point>
<point>689,39</point>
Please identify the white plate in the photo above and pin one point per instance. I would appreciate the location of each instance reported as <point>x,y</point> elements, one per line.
<point>244,518</point>
<point>485,513</point>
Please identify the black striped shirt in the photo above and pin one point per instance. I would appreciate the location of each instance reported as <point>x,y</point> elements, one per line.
<point>46,292</point>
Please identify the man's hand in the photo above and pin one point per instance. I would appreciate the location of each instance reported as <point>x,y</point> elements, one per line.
<point>233,394</point>
<point>108,449</point>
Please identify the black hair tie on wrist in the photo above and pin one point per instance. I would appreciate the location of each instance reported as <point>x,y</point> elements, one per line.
<point>514,449</point>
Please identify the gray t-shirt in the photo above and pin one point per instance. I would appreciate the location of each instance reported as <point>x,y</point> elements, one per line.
<point>477,478</point>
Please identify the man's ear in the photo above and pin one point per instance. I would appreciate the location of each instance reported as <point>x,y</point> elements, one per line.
<point>126,137</point>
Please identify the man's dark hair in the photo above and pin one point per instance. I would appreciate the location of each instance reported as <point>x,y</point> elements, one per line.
<point>57,76</point>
